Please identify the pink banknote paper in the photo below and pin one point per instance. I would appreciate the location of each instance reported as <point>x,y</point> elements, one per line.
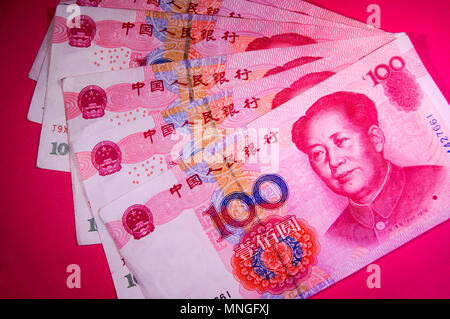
<point>134,151</point>
<point>231,8</point>
<point>114,99</point>
<point>44,49</point>
<point>310,9</point>
<point>363,169</point>
<point>112,39</point>
<point>36,110</point>
<point>100,101</point>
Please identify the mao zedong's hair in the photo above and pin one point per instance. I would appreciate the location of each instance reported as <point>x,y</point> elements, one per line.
<point>279,40</point>
<point>358,108</point>
<point>298,87</point>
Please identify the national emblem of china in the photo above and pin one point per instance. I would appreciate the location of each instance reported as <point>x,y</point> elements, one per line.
<point>92,102</point>
<point>138,221</point>
<point>106,158</point>
<point>82,36</point>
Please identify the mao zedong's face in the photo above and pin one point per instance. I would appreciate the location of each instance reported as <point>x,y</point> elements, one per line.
<point>346,157</point>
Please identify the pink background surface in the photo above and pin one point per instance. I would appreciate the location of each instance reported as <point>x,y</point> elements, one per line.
<point>37,230</point>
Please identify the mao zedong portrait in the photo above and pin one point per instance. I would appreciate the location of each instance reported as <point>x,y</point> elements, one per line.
<point>344,143</point>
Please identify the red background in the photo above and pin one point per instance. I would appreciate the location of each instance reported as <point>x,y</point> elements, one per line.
<point>37,230</point>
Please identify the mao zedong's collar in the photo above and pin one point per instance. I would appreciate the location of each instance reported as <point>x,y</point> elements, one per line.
<point>384,202</point>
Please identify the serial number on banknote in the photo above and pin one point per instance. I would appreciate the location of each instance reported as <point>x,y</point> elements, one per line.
<point>437,128</point>
<point>225,295</point>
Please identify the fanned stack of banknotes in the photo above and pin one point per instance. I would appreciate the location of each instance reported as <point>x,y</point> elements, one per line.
<point>239,149</point>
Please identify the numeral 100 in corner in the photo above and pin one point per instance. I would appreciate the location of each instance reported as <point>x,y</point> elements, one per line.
<point>382,71</point>
<point>59,149</point>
